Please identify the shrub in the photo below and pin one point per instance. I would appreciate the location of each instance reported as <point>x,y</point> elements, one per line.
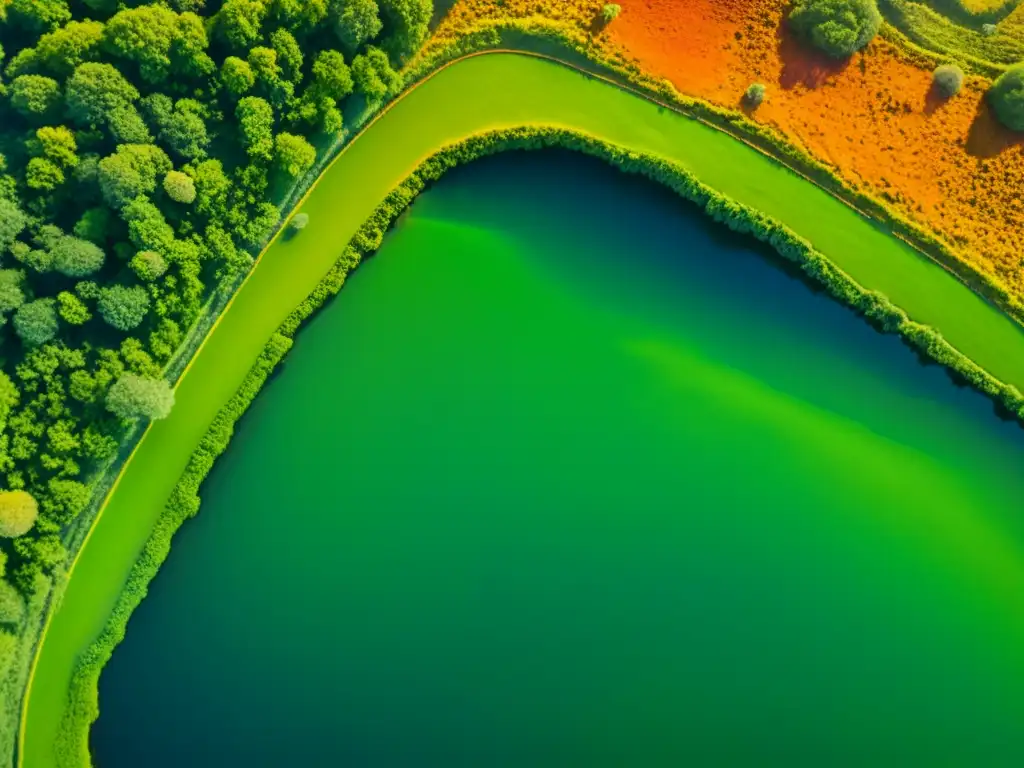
<point>948,80</point>
<point>610,12</point>
<point>754,95</point>
<point>298,222</point>
<point>1007,97</point>
<point>840,28</point>
<point>36,322</point>
<point>989,29</point>
<point>132,397</point>
<point>18,512</point>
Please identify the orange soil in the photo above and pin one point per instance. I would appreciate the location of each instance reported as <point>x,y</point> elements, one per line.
<point>948,165</point>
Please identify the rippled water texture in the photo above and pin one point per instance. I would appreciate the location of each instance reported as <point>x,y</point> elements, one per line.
<point>566,475</point>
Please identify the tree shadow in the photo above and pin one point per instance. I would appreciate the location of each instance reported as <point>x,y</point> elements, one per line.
<point>802,64</point>
<point>988,137</point>
<point>935,100</point>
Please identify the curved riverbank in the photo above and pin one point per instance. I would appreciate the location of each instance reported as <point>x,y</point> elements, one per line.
<point>500,91</point>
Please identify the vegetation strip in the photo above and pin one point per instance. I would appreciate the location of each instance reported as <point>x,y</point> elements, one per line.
<point>187,403</point>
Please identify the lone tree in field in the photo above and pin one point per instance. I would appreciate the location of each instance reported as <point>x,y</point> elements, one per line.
<point>133,397</point>
<point>948,79</point>
<point>754,95</point>
<point>1007,97</point>
<point>840,28</point>
<point>18,512</point>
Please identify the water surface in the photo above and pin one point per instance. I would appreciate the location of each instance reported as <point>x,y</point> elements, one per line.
<point>567,475</point>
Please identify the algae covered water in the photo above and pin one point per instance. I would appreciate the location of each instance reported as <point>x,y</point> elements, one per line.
<point>568,476</point>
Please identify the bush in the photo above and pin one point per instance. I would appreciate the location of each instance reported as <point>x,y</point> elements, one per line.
<point>840,28</point>
<point>18,513</point>
<point>298,222</point>
<point>948,80</point>
<point>610,12</point>
<point>132,397</point>
<point>1007,97</point>
<point>989,29</point>
<point>754,95</point>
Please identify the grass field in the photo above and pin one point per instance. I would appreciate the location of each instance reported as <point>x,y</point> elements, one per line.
<point>481,93</point>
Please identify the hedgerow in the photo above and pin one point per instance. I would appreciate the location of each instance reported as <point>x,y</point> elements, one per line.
<point>184,502</point>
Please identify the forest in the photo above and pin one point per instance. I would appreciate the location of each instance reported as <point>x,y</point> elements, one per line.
<point>145,150</point>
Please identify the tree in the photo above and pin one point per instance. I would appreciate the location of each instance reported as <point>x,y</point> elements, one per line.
<point>12,604</point>
<point>39,15</point>
<point>293,154</point>
<point>1007,98</point>
<point>36,322</point>
<point>18,513</point>
<point>356,22</point>
<point>263,63</point>
<point>12,222</point>
<point>64,500</point>
<point>289,55</point>
<point>610,12</point>
<point>11,294</point>
<point>754,95</point>
<point>331,79</point>
<point>77,258</point>
<point>123,307</point>
<point>239,21</point>
<point>158,40</point>
<point>948,80</point>
<point>300,15</point>
<point>42,175</point>
<point>96,90</point>
<point>237,76</point>
<point>57,144</point>
<point>94,225</point>
<point>299,222</point>
<point>35,97</point>
<point>148,265</point>
<point>406,22</point>
<point>131,171</point>
<point>64,49</point>
<point>256,120</point>
<point>133,397</point>
<point>72,310</point>
<point>840,28</point>
<point>178,125</point>
<point>373,75</point>
<point>179,187</point>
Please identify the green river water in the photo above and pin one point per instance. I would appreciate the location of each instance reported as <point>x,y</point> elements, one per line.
<point>569,476</point>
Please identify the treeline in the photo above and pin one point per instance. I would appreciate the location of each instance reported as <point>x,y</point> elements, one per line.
<point>185,501</point>
<point>142,148</point>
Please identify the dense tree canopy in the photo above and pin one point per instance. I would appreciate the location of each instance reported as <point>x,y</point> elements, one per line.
<point>840,28</point>
<point>144,148</point>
